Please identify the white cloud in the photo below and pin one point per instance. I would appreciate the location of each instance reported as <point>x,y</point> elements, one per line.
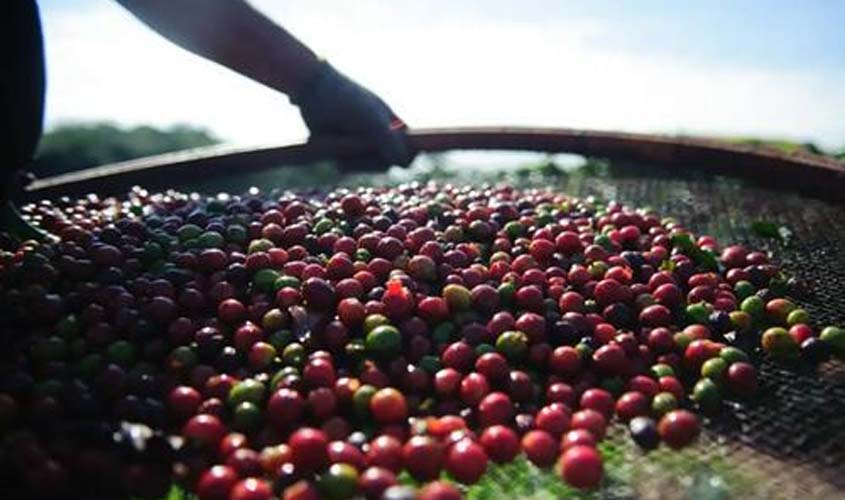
<point>104,64</point>
<point>436,67</point>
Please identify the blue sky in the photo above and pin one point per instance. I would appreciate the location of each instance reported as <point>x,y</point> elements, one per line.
<point>771,33</point>
<point>773,68</point>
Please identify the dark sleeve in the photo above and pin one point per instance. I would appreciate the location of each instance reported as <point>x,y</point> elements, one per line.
<point>21,86</point>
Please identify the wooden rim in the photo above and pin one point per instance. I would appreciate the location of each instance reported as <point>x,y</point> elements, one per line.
<point>814,174</point>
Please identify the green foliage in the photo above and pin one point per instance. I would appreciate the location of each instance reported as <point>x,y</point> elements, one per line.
<point>787,146</point>
<point>771,230</point>
<point>80,145</point>
<point>629,473</point>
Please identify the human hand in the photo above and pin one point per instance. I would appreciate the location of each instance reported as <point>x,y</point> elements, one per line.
<point>333,105</point>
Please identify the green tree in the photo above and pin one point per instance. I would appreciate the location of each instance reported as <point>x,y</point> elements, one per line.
<point>75,146</point>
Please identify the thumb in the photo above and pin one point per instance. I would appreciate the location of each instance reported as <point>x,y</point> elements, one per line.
<point>393,144</point>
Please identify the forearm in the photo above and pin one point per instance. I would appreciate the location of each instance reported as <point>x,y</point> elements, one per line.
<point>231,33</point>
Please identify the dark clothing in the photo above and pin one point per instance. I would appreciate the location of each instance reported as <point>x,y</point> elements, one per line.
<point>21,87</point>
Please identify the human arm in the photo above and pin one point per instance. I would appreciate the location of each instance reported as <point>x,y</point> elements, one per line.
<point>233,34</point>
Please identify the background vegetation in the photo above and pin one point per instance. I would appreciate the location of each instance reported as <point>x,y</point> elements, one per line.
<point>76,146</point>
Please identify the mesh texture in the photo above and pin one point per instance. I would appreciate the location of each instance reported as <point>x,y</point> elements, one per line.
<point>790,441</point>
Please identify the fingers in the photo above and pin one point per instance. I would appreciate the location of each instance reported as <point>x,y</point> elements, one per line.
<point>387,149</point>
<point>393,140</point>
<point>394,148</point>
<point>401,152</point>
<point>339,106</point>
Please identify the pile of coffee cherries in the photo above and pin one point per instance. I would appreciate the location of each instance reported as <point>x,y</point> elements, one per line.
<point>321,344</point>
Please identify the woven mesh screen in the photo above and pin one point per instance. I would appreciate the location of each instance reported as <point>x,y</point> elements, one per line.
<point>790,442</point>
<point>787,443</point>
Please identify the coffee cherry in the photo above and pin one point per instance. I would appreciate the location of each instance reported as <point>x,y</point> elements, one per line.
<point>540,448</point>
<point>206,430</point>
<point>385,451</point>
<point>216,483</point>
<point>632,404</point>
<point>439,490</point>
<point>553,419</point>
<point>577,437</point>
<point>678,428</point>
<point>495,409</point>
<point>388,406</point>
<point>741,379</point>
<point>375,480</point>
<point>581,467</point>
<point>338,482</point>
<point>445,320</point>
<point>599,400</point>
<point>644,432</point>
<point>309,449</point>
<point>466,461</point>
<point>423,458</point>
<point>590,420</point>
<point>500,442</point>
